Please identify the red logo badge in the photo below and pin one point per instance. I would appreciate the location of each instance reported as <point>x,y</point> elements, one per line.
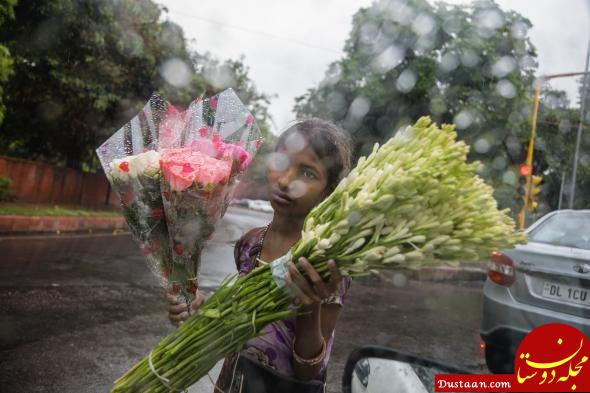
<point>554,358</point>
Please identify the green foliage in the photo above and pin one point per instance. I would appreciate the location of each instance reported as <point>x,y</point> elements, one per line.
<point>468,64</point>
<point>55,211</point>
<point>6,13</point>
<point>5,189</point>
<point>82,68</point>
<point>557,127</point>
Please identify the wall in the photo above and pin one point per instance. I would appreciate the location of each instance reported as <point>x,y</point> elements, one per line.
<point>37,182</point>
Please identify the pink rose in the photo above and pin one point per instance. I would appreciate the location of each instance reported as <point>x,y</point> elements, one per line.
<point>237,153</point>
<point>184,167</point>
<point>205,146</point>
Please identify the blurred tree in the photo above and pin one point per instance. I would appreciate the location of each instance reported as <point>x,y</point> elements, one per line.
<point>469,64</point>
<point>557,126</point>
<point>6,13</point>
<point>82,68</point>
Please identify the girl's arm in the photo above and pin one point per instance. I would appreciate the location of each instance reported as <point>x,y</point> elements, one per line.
<point>315,326</point>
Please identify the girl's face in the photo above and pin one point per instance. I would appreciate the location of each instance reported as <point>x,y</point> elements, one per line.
<point>297,180</point>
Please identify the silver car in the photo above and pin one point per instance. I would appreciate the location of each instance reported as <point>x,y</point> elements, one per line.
<point>544,281</point>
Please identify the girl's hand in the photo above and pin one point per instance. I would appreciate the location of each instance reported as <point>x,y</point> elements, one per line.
<point>311,292</point>
<point>178,313</point>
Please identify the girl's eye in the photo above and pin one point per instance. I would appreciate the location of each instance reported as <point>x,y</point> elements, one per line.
<point>309,174</point>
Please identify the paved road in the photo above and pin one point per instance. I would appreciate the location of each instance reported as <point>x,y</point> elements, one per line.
<point>77,311</point>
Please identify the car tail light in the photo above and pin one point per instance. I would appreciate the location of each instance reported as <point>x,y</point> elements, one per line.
<point>501,269</point>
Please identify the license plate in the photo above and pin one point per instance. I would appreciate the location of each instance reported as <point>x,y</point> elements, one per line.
<point>566,293</point>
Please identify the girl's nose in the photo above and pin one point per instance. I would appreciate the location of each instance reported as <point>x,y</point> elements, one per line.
<point>285,178</point>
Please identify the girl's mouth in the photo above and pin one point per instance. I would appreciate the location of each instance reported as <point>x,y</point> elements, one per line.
<point>281,198</point>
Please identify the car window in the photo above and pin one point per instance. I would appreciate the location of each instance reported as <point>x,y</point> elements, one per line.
<point>566,230</point>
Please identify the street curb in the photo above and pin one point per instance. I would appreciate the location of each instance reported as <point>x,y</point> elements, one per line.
<point>465,273</point>
<point>43,224</point>
<point>447,273</point>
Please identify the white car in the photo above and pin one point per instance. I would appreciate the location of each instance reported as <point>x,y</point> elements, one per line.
<point>261,205</point>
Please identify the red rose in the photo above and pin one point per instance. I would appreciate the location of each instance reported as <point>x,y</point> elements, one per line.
<point>158,214</point>
<point>124,166</point>
<point>128,197</point>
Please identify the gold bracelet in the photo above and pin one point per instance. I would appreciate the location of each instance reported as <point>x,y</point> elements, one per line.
<point>310,362</point>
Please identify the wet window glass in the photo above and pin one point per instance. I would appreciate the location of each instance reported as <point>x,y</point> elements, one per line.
<point>567,230</point>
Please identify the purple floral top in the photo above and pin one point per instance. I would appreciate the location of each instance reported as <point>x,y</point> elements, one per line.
<point>274,346</point>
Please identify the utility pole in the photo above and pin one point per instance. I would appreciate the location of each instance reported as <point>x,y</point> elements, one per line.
<point>584,96</point>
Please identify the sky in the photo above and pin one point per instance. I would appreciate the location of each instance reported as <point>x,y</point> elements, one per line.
<point>288,45</point>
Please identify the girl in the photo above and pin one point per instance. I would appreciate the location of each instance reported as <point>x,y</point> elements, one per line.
<point>309,160</point>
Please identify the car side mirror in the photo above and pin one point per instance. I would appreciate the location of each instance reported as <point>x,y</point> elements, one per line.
<point>375,369</point>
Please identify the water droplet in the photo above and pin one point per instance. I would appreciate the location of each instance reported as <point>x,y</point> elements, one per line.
<point>176,72</point>
<point>463,119</point>
<point>482,146</point>
<point>469,58</point>
<point>406,81</point>
<point>130,43</point>
<point>506,89</point>
<point>438,105</point>
<point>295,142</point>
<point>277,161</point>
<point>368,32</point>
<point>359,107</point>
<point>489,20</point>
<point>401,12</point>
<point>503,66</point>
<point>336,101</point>
<point>389,58</point>
<point>449,62</point>
<point>519,30</point>
<point>220,76</point>
<point>499,163</point>
<point>423,24</point>
<point>509,177</point>
<point>297,188</point>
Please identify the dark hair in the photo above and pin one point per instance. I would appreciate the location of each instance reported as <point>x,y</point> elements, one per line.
<point>329,142</point>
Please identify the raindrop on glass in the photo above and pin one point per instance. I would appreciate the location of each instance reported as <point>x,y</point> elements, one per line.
<point>506,89</point>
<point>277,161</point>
<point>482,146</point>
<point>503,66</point>
<point>297,188</point>
<point>406,81</point>
<point>176,72</point>
<point>359,107</point>
<point>463,119</point>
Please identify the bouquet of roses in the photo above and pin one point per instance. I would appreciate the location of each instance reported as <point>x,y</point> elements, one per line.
<point>174,180</point>
<point>201,156</point>
<point>132,165</point>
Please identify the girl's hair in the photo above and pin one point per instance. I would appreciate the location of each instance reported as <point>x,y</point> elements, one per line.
<point>328,141</point>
